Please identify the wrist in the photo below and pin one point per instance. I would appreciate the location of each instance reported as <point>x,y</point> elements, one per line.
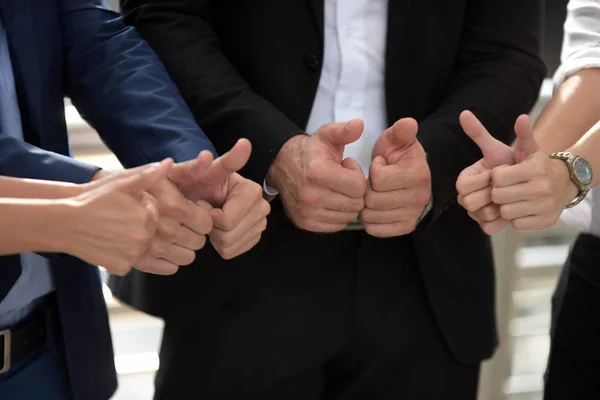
<point>53,220</point>
<point>567,190</point>
<point>289,153</point>
<point>100,174</point>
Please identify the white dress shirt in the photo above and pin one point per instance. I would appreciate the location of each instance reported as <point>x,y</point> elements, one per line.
<point>581,49</point>
<point>352,83</point>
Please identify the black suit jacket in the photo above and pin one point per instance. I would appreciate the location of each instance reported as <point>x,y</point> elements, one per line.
<point>250,68</point>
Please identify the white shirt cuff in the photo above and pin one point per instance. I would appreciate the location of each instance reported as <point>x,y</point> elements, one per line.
<point>269,190</point>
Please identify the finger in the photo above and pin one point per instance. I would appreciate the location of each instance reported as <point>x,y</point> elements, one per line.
<point>256,215</point>
<point>126,173</point>
<point>407,198</point>
<point>198,218</point>
<point>400,135</point>
<point>505,175</point>
<point>341,180</point>
<point>241,198</point>
<point>136,184</point>
<point>189,170</point>
<point>532,223</point>
<point>525,144</point>
<point>318,197</point>
<point>171,252</point>
<point>395,177</point>
<point>479,134</point>
<point>232,161</point>
<point>369,216</point>
<point>492,228</point>
<point>476,200</point>
<point>149,203</point>
<point>488,213</point>
<point>341,134</point>
<point>522,191</point>
<point>389,230</point>
<point>327,216</point>
<point>156,266</point>
<point>519,209</point>
<point>467,183</point>
<point>241,248</point>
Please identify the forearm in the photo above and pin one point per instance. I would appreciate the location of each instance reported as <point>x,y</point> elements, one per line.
<point>119,85</point>
<point>35,189</point>
<point>573,110</point>
<point>588,147</point>
<point>32,225</point>
<point>223,103</point>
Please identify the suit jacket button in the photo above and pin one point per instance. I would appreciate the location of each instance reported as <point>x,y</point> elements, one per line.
<point>311,62</point>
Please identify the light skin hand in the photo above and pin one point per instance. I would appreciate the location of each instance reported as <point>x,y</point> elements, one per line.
<point>474,184</point>
<point>181,229</point>
<point>533,193</point>
<point>113,223</point>
<point>236,205</point>
<point>399,182</point>
<point>320,190</point>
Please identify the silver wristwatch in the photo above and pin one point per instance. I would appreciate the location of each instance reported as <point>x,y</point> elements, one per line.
<point>580,171</point>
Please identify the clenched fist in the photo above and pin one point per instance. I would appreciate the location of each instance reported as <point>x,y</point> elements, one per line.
<point>474,184</point>
<point>399,182</point>
<point>320,190</point>
<point>238,211</point>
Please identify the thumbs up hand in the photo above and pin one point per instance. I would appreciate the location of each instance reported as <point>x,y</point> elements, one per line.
<point>320,191</point>
<point>114,220</point>
<point>532,193</point>
<point>474,184</point>
<point>399,182</point>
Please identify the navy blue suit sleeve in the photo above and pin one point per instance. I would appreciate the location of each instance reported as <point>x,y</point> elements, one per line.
<point>22,160</point>
<point>120,86</point>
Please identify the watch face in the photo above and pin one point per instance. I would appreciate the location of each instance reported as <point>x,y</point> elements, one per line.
<point>583,171</point>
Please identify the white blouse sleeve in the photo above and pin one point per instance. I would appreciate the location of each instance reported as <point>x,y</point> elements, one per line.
<point>581,43</point>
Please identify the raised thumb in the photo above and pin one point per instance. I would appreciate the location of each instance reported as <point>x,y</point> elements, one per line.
<point>525,144</point>
<point>341,134</point>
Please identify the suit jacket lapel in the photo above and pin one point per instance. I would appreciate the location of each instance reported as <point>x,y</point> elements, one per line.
<point>317,7</point>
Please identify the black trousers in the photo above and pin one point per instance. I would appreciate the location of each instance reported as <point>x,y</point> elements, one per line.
<point>574,363</point>
<point>340,316</point>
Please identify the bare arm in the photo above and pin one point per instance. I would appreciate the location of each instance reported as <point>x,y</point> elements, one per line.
<point>36,189</point>
<point>573,110</point>
<point>575,107</point>
<point>32,225</point>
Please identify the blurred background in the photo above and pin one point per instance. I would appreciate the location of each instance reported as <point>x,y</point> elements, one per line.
<point>527,266</point>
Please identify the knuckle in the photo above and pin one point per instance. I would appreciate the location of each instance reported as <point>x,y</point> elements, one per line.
<point>422,197</point>
<point>545,187</point>
<point>314,170</point>
<point>370,199</point>
<point>121,266</point>
<point>227,224</point>
<point>168,230</point>
<point>187,257</point>
<point>469,204</point>
<point>505,212</point>
<point>518,225</point>
<point>200,242</point>
<point>307,196</point>
<point>488,229</point>
<point>495,196</point>
<point>265,208</point>
<point>262,225</point>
